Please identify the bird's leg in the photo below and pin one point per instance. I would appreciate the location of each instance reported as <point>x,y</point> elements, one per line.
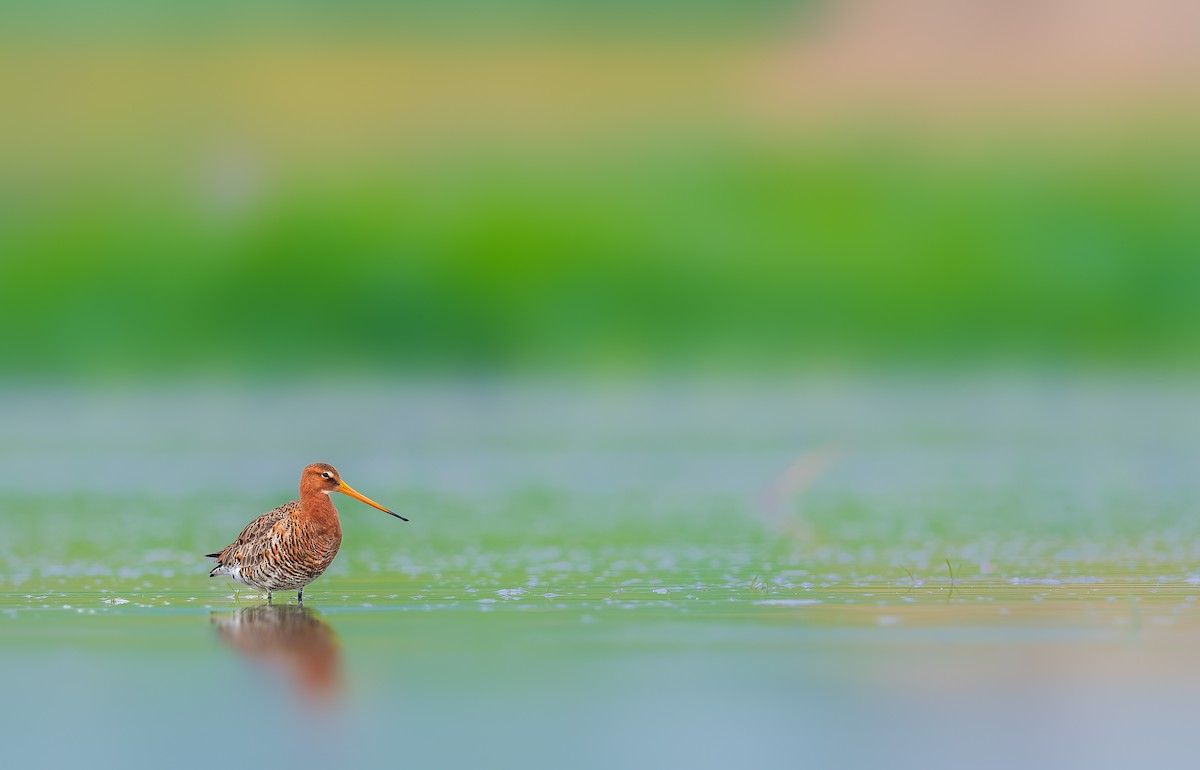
<point>300,596</point>
<point>268,598</point>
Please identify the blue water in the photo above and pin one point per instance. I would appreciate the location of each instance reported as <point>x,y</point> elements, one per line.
<point>989,573</point>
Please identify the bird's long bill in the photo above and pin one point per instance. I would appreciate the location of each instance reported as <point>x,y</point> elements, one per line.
<point>346,489</point>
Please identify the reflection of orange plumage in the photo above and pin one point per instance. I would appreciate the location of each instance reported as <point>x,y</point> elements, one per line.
<point>289,547</point>
<point>290,638</point>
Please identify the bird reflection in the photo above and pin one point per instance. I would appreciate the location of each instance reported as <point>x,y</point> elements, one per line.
<point>290,639</point>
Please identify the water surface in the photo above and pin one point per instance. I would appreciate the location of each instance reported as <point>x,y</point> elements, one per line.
<point>983,574</point>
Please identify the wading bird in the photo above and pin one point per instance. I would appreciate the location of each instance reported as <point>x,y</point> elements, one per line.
<point>289,547</point>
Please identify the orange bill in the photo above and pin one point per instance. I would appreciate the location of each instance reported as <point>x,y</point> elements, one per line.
<point>346,489</point>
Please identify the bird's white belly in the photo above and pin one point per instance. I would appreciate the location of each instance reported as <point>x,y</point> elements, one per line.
<point>232,570</point>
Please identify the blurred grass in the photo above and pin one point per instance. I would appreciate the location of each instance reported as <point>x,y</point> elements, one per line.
<point>239,193</point>
<point>708,255</point>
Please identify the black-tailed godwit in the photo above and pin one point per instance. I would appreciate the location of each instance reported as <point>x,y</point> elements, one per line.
<point>289,547</point>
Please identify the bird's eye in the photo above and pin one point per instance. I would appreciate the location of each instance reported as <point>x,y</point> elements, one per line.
<point>325,475</point>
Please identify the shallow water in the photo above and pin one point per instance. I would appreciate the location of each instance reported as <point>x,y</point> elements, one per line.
<point>980,574</point>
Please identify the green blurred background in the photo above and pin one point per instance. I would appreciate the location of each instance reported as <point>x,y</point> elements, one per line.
<point>248,191</point>
<point>619,302</point>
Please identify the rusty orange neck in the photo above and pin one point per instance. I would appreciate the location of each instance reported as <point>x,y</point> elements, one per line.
<point>318,508</point>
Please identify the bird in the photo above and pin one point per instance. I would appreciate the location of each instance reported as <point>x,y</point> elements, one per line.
<point>289,547</point>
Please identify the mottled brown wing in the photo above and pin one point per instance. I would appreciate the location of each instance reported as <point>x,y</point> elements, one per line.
<point>258,532</point>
